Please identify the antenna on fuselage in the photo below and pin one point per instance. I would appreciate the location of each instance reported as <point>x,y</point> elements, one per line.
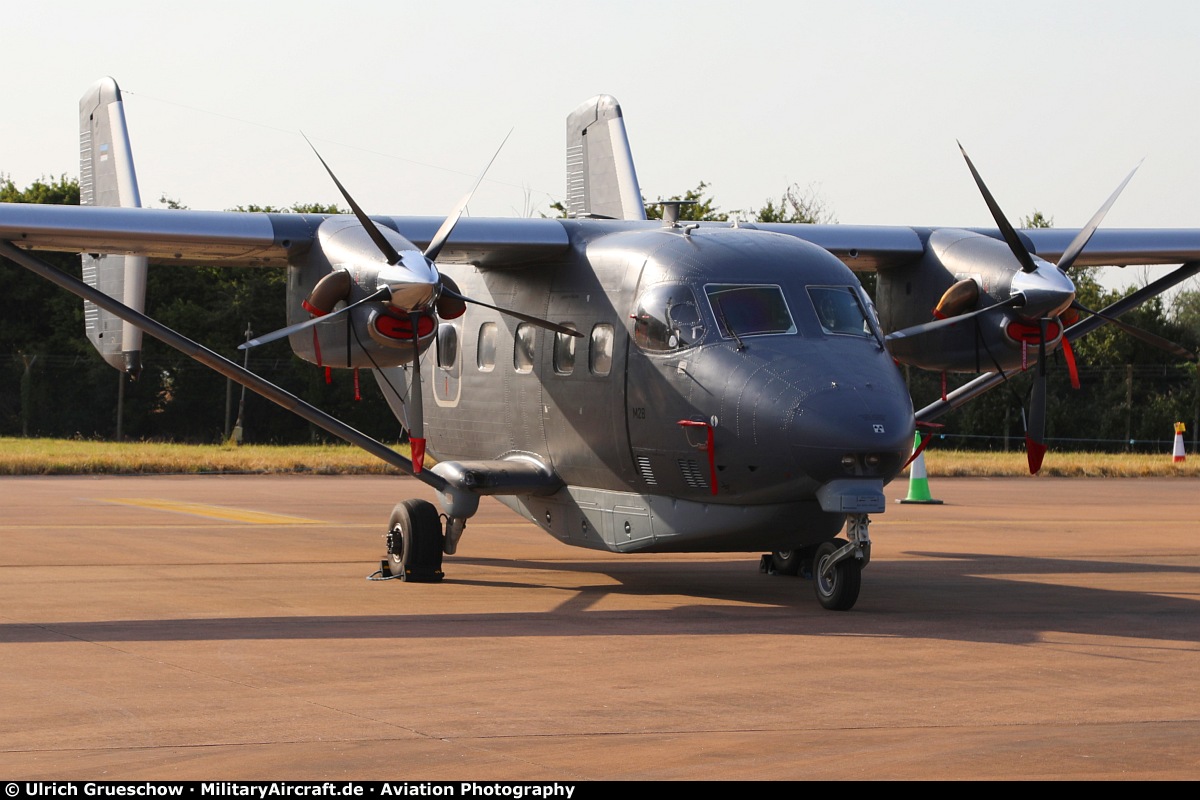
<point>670,209</point>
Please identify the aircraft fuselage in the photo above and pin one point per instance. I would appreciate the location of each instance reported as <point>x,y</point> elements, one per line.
<point>694,334</point>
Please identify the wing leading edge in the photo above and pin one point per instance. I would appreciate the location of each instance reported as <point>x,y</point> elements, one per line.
<point>231,238</point>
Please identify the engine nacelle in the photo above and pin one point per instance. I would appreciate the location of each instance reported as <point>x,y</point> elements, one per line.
<point>373,335</point>
<point>961,272</point>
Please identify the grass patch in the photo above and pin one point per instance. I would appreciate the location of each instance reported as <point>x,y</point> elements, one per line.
<point>86,457</point>
<point>962,463</point>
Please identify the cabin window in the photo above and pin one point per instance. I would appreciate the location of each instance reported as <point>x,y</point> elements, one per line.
<point>840,310</point>
<point>564,352</point>
<point>749,310</point>
<point>485,351</point>
<point>523,347</point>
<point>601,350</point>
<point>667,318</point>
<point>447,346</point>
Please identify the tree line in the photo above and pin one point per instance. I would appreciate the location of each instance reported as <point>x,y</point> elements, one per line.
<point>54,384</point>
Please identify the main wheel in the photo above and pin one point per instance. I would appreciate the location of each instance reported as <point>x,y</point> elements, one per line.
<point>415,542</point>
<point>836,586</point>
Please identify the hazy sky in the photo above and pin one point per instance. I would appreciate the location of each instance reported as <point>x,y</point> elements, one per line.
<point>862,101</point>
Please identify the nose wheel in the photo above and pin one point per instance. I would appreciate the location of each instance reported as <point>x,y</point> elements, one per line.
<point>835,566</point>
<point>837,574</point>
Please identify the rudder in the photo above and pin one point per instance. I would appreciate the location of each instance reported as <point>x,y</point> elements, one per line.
<point>107,178</point>
<point>601,181</point>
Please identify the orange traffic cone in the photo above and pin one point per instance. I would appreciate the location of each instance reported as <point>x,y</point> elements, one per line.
<point>1178,455</point>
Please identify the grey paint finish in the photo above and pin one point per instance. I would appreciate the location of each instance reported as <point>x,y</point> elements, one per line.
<point>107,179</point>
<point>600,177</point>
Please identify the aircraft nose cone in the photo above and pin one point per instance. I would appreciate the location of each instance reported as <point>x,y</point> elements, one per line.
<point>853,428</point>
<point>1048,291</point>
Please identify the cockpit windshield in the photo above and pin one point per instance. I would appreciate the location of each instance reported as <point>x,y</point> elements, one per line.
<point>840,310</point>
<point>749,310</point>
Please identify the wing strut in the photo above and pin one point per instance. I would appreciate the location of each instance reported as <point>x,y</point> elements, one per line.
<point>221,364</point>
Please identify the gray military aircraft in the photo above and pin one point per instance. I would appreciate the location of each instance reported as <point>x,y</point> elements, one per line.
<point>626,384</point>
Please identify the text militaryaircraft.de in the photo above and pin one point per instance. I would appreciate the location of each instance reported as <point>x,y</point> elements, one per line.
<point>626,384</point>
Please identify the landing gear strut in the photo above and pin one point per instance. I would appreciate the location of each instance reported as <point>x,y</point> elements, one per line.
<point>838,564</point>
<point>835,566</point>
<point>414,543</point>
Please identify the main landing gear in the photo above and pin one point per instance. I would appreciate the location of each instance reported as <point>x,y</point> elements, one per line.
<point>414,543</point>
<point>835,566</point>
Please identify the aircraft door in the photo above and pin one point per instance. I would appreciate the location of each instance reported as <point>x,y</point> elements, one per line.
<point>661,392</point>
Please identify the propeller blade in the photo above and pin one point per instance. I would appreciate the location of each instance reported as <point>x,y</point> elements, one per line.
<point>1006,229</point>
<point>368,224</point>
<point>1149,338</point>
<point>443,233</point>
<point>1081,239</point>
<point>1072,367</point>
<point>1016,301</point>
<point>1035,431</point>
<point>273,336</point>
<point>415,413</point>
<point>541,323</point>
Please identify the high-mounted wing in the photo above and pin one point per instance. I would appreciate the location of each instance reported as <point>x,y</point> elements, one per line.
<point>235,239</point>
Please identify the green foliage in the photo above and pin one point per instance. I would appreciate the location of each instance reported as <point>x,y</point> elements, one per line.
<point>796,205</point>
<point>699,206</point>
<point>1037,220</point>
<point>61,192</point>
<point>296,208</point>
<point>1185,312</point>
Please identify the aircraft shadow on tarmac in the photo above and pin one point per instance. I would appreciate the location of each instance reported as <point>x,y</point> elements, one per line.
<point>953,596</point>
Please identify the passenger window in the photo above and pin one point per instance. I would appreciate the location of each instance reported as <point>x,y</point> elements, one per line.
<point>667,319</point>
<point>840,310</point>
<point>601,350</point>
<point>485,352</point>
<point>523,347</point>
<point>564,352</point>
<point>447,346</point>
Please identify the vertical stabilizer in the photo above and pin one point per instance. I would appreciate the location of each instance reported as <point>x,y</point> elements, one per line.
<point>107,178</point>
<point>601,181</point>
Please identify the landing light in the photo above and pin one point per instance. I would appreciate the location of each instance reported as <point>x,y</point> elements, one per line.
<point>849,463</point>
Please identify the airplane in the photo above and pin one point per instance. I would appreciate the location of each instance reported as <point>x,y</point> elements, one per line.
<point>626,384</point>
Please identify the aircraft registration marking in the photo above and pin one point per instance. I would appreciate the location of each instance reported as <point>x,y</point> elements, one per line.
<point>213,512</point>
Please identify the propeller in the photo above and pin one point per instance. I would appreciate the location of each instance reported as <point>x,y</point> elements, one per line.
<point>1035,428</point>
<point>382,294</point>
<point>1149,338</point>
<point>1045,292</point>
<point>409,283</point>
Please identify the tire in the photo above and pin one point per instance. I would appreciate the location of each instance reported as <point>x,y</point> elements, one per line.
<point>415,542</point>
<point>791,562</point>
<point>838,590</point>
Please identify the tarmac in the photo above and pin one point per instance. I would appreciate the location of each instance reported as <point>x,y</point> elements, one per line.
<point>220,628</point>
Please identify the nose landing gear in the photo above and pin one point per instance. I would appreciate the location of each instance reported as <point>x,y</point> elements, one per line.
<point>835,566</point>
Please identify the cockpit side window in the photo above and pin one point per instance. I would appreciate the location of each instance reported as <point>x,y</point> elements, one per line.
<point>749,310</point>
<point>667,319</point>
<point>840,310</point>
